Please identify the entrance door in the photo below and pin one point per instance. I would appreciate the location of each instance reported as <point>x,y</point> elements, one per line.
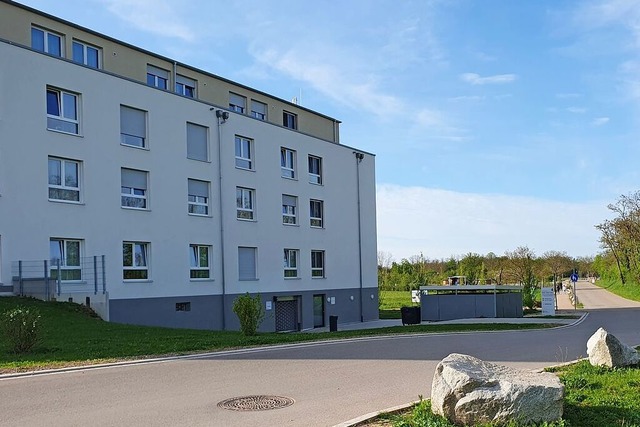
<point>286,315</point>
<point>318,311</point>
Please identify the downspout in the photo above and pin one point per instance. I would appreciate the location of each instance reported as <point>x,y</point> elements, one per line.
<point>220,119</point>
<point>359,157</point>
<point>175,76</point>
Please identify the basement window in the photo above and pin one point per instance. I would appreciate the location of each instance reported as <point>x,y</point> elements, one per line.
<point>183,306</point>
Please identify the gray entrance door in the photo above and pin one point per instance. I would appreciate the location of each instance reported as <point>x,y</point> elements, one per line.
<point>286,315</point>
<point>318,311</point>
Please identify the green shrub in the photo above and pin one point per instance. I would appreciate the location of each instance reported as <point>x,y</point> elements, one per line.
<point>21,327</point>
<point>250,313</point>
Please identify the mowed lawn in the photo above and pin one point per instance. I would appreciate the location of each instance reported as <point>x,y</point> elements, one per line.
<point>70,336</point>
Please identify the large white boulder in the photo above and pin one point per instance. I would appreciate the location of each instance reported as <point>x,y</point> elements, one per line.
<point>467,390</point>
<point>605,349</point>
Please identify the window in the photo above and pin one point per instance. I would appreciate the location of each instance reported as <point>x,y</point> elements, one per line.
<point>133,127</point>
<point>183,306</point>
<point>315,170</point>
<point>86,54</point>
<point>199,261</point>
<point>135,261</point>
<point>316,211</point>
<point>290,263</point>
<point>289,120</point>
<point>185,86</point>
<point>247,263</point>
<point>197,142</point>
<point>198,197</point>
<point>46,41</point>
<point>289,208</point>
<point>66,254</point>
<point>62,111</point>
<point>133,189</point>
<point>244,153</point>
<point>287,163</point>
<point>317,263</point>
<point>157,77</point>
<point>245,203</point>
<point>258,110</point>
<point>64,180</point>
<point>237,103</point>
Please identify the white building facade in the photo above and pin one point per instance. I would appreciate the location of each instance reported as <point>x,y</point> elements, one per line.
<point>159,193</point>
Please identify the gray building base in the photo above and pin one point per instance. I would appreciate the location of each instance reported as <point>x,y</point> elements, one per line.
<point>284,311</point>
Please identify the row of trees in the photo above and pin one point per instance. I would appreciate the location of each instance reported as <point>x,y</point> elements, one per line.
<point>620,239</point>
<point>520,266</point>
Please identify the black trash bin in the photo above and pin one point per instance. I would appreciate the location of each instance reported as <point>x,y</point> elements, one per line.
<point>410,315</point>
<point>333,323</point>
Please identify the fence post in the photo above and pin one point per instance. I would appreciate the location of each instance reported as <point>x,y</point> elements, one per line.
<point>20,283</point>
<point>59,278</point>
<point>104,277</point>
<point>95,275</point>
<point>46,281</point>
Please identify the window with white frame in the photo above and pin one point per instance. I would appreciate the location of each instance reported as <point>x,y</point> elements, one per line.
<point>64,256</point>
<point>258,110</point>
<point>62,111</point>
<point>290,263</point>
<point>287,163</point>
<point>199,262</point>
<point>197,142</point>
<point>315,170</point>
<point>46,41</point>
<point>87,54</point>
<point>245,203</point>
<point>157,77</point>
<point>198,197</point>
<point>133,127</point>
<point>316,213</point>
<point>289,209</point>
<point>247,266</point>
<point>135,260</point>
<point>317,263</point>
<point>133,188</point>
<point>244,153</point>
<point>237,103</point>
<point>185,86</point>
<point>64,180</point>
<point>289,120</point>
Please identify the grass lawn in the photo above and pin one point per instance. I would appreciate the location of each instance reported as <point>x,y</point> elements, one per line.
<point>594,397</point>
<point>71,337</point>
<point>393,300</point>
<point>629,291</point>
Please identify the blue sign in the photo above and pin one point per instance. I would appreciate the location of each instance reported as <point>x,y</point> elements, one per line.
<point>574,277</point>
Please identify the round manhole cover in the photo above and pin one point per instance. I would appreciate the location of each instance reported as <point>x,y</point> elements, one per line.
<point>256,403</point>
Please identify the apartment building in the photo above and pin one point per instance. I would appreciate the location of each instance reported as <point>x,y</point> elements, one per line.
<point>158,192</point>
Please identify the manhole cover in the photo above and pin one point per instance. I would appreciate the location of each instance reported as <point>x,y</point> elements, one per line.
<point>256,403</point>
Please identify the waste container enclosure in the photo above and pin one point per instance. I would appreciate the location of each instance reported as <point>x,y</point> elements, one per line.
<point>333,323</point>
<point>410,315</point>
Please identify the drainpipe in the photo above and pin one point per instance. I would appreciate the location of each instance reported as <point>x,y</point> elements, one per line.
<point>359,157</point>
<point>175,76</point>
<point>221,118</point>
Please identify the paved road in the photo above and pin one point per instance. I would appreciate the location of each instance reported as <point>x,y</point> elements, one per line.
<point>593,297</point>
<point>330,382</point>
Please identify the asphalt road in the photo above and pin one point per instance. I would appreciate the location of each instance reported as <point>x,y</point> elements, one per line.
<point>330,382</point>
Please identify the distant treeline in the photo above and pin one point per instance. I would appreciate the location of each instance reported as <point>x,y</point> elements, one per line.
<point>620,239</point>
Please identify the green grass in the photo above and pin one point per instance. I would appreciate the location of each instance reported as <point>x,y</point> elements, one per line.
<point>393,300</point>
<point>594,397</point>
<point>71,337</point>
<point>629,291</point>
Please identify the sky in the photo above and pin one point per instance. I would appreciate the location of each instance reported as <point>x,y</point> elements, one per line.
<point>495,123</point>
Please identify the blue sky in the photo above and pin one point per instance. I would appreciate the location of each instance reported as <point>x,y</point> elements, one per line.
<point>496,123</point>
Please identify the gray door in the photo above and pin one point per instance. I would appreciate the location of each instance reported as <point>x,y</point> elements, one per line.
<point>286,315</point>
<point>318,311</point>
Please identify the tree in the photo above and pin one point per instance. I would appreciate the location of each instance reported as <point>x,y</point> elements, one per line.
<point>472,266</point>
<point>556,264</point>
<point>521,263</point>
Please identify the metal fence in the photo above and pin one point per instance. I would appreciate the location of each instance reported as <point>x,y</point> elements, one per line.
<point>45,279</point>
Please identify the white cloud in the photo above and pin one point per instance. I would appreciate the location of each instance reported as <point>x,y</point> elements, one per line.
<point>155,16</point>
<point>438,223</point>
<point>599,121</point>
<point>577,110</point>
<point>476,79</point>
